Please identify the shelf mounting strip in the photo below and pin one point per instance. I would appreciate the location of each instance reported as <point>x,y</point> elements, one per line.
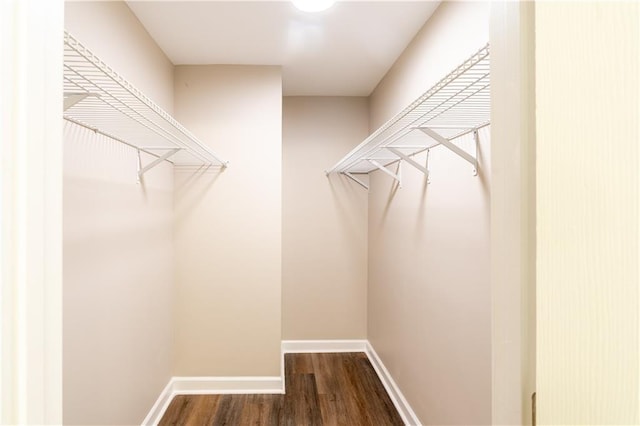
<point>457,105</point>
<point>99,99</point>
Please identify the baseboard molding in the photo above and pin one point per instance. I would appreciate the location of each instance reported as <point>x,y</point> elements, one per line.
<point>161,405</point>
<point>404,409</point>
<point>227,385</point>
<point>211,386</point>
<point>323,346</point>
<point>275,384</point>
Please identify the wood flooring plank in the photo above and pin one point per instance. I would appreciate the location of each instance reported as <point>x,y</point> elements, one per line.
<point>355,394</point>
<point>251,411</point>
<point>288,370</point>
<point>333,410</point>
<point>325,372</point>
<point>301,363</point>
<point>382,411</point>
<point>179,411</point>
<point>332,389</point>
<point>261,410</point>
<point>271,407</point>
<point>301,401</point>
<point>204,410</point>
<point>229,411</point>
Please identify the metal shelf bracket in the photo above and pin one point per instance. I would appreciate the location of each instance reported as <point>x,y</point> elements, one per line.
<point>395,176</point>
<point>411,161</point>
<point>452,147</point>
<point>476,139</point>
<point>70,99</point>
<point>426,165</point>
<point>457,105</point>
<point>356,180</point>
<point>99,99</point>
<point>160,159</point>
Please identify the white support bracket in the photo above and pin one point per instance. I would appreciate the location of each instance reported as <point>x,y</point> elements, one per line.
<point>387,171</point>
<point>476,139</point>
<point>426,165</point>
<point>160,159</point>
<point>410,160</point>
<point>73,98</point>
<point>452,147</point>
<point>356,180</point>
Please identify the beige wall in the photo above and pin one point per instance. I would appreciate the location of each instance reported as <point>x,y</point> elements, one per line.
<point>324,221</point>
<point>114,34</point>
<point>228,225</point>
<point>454,32</point>
<point>429,287</point>
<point>588,105</point>
<point>118,249</point>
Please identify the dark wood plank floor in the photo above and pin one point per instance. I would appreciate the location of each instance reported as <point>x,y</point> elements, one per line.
<point>322,389</point>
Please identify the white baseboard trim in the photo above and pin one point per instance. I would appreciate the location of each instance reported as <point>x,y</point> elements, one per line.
<point>227,385</point>
<point>404,409</point>
<point>319,346</point>
<point>211,386</point>
<point>323,346</point>
<point>275,384</point>
<point>161,405</point>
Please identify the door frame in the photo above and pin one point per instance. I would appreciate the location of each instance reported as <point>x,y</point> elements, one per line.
<point>513,211</point>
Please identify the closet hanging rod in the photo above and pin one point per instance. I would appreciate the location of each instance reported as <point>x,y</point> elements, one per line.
<point>110,136</point>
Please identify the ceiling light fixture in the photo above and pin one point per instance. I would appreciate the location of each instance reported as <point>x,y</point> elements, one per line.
<point>313,5</point>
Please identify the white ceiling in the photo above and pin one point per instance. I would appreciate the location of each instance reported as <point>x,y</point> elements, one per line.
<point>344,51</point>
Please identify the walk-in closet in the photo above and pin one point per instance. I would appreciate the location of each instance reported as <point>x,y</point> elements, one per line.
<point>319,212</point>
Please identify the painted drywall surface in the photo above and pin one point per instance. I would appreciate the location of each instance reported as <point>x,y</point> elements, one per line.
<point>429,265</point>
<point>114,34</point>
<point>324,221</point>
<point>588,98</point>
<point>227,228</point>
<point>117,282</point>
<point>454,32</point>
<point>512,211</point>
<point>118,249</point>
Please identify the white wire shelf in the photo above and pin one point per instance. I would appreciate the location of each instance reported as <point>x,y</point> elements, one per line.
<point>98,98</point>
<point>457,105</point>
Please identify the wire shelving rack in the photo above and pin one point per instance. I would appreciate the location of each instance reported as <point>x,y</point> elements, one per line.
<point>457,105</point>
<point>98,98</point>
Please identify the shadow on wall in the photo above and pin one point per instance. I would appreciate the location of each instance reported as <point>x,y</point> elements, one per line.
<point>393,190</point>
<point>344,191</point>
<point>449,178</point>
<point>484,160</point>
<point>420,222</point>
<point>191,186</point>
<point>97,157</point>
